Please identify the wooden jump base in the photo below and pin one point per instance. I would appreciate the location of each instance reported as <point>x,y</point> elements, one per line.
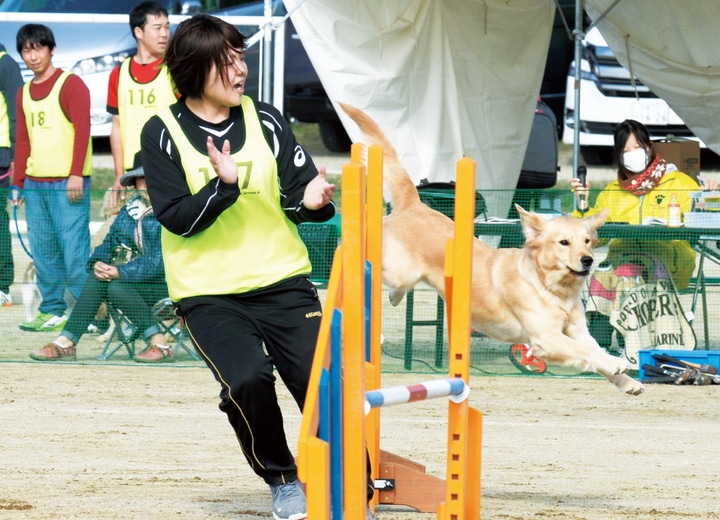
<point>335,434</point>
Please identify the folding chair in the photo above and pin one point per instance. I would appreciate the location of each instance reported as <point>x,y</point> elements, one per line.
<point>124,335</point>
<point>172,325</point>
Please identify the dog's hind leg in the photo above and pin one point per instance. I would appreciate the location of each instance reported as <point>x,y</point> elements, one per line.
<point>396,296</point>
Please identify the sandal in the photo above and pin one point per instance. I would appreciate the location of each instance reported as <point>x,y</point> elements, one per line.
<point>156,354</point>
<point>54,352</point>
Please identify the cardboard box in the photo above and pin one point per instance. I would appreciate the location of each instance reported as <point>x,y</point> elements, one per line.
<point>683,153</point>
<point>711,357</point>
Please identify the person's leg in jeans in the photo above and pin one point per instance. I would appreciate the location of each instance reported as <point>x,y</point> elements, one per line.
<point>7,267</point>
<point>45,247</point>
<point>72,224</point>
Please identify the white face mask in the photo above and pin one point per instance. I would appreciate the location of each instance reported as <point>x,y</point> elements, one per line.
<point>636,160</point>
<point>136,207</point>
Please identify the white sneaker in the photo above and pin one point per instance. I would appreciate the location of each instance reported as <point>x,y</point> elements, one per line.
<point>5,299</point>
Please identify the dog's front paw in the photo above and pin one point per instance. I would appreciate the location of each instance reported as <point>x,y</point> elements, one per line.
<point>615,365</point>
<point>627,384</point>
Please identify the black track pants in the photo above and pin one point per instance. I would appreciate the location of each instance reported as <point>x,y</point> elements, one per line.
<point>242,337</point>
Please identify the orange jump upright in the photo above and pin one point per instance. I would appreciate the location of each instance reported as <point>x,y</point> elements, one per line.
<point>356,305</point>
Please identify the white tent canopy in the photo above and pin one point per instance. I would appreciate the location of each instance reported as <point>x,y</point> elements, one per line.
<point>445,79</point>
<point>448,79</point>
<point>673,46</point>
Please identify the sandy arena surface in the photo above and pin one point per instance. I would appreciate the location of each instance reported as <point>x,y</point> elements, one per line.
<point>122,441</point>
<point>147,442</point>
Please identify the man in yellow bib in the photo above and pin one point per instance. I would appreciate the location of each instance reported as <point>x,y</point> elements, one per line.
<point>53,164</point>
<point>10,83</point>
<point>139,87</point>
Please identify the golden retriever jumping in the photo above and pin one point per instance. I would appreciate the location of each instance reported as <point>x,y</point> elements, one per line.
<point>529,295</point>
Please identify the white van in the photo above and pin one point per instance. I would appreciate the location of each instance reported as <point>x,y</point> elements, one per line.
<point>607,97</point>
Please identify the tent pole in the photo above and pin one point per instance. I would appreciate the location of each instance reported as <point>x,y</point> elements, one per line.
<point>578,35</point>
<point>265,91</point>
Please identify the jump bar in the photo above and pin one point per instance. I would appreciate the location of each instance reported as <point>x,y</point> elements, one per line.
<point>454,388</point>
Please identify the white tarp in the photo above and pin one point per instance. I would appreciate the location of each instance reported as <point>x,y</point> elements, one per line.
<point>673,46</point>
<point>444,79</point>
<point>452,78</point>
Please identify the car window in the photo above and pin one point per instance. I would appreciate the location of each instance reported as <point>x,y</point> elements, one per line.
<point>67,6</point>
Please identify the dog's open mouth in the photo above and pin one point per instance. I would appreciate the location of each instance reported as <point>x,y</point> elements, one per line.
<point>579,274</point>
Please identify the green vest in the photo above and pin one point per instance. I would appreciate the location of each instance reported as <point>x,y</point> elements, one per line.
<point>138,102</point>
<point>51,134</point>
<point>252,244</point>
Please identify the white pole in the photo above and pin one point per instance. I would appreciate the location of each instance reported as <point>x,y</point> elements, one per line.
<point>578,36</point>
<point>265,93</point>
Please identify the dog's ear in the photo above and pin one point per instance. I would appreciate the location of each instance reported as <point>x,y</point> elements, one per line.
<point>532,223</point>
<point>598,219</point>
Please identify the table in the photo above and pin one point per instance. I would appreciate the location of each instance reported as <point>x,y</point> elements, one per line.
<point>698,237</point>
<point>614,230</point>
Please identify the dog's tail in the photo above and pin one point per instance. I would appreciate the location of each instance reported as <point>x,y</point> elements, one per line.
<point>402,191</point>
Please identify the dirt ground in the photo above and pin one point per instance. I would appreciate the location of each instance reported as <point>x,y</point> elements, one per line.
<point>148,442</point>
<point>93,440</point>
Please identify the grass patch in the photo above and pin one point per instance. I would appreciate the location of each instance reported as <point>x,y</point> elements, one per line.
<point>308,135</point>
<point>102,179</point>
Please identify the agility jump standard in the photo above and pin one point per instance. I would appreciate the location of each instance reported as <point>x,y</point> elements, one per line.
<point>335,433</point>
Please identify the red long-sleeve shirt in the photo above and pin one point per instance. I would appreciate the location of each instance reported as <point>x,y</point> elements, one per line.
<point>75,104</point>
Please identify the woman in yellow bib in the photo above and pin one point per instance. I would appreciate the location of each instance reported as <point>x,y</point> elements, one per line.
<point>229,184</point>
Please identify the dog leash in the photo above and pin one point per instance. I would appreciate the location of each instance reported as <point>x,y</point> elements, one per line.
<point>19,235</point>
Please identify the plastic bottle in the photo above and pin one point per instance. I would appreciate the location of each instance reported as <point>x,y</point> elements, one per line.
<point>674,214</point>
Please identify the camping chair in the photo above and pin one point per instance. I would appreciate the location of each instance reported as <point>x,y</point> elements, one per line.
<point>171,324</point>
<point>126,334</point>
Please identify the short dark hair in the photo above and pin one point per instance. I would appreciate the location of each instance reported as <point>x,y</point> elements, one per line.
<point>36,35</point>
<point>198,44</point>
<point>622,131</point>
<point>139,14</point>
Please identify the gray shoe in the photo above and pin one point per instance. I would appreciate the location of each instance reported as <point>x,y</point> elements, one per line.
<point>370,515</point>
<point>289,501</point>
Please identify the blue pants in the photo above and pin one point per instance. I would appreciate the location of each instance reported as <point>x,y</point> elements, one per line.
<point>7,267</point>
<point>59,237</point>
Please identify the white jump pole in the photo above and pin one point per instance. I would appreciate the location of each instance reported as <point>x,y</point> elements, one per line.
<point>454,388</point>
